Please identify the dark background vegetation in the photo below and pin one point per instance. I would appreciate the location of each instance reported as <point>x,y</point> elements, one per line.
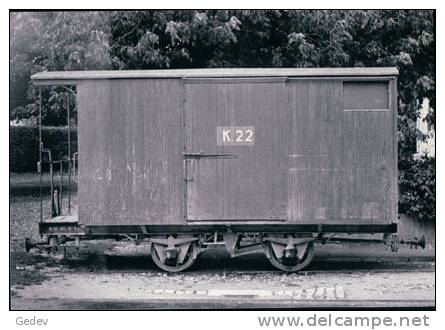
<point>49,41</point>
<point>24,145</point>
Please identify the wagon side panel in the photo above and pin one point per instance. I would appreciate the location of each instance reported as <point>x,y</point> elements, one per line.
<point>341,155</point>
<point>130,152</point>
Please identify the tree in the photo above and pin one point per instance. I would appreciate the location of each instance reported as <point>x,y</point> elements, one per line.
<point>53,41</point>
<point>171,39</point>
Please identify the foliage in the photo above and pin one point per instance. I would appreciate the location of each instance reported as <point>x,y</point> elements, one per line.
<point>55,101</point>
<point>418,188</point>
<point>53,41</point>
<point>24,145</point>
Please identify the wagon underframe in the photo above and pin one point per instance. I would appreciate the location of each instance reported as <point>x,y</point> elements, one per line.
<point>175,248</point>
<point>55,227</point>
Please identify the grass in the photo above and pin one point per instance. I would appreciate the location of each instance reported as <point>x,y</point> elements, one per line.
<point>23,222</point>
<point>24,214</point>
<point>25,268</point>
<point>28,268</point>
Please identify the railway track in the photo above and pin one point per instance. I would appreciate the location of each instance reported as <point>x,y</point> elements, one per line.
<point>218,282</point>
<point>321,265</point>
<point>244,289</point>
<point>317,272</point>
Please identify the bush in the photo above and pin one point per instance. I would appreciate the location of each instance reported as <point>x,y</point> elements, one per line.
<point>24,145</point>
<point>417,184</point>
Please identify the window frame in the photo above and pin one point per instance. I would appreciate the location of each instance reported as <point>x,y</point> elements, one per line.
<point>365,80</point>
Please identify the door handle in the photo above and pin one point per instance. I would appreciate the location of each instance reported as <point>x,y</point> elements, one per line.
<point>189,169</point>
<point>198,155</point>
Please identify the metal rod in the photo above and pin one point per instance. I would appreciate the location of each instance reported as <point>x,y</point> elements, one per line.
<point>56,203</point>
<point>40,152</point>
<point>60,186</point>
<point>51,173</point>
<point>69,90</point>
<point>69,152</point>
<point>57,161</point>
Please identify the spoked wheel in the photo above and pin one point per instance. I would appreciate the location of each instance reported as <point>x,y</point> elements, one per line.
<point>292,264</point>
<point>186,257</point>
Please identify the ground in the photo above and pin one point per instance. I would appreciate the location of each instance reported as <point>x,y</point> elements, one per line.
<point>115,275</point>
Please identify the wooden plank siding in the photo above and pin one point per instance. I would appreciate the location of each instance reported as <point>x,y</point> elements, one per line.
<point>314,161</point>
<point>252,186</point>
<point>341,163</point>
<point>130,152</point>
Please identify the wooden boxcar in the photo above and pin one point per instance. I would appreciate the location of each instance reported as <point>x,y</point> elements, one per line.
<point>250,159</point>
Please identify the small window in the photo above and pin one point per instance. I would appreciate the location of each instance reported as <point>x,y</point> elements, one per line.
<point>365,95</point>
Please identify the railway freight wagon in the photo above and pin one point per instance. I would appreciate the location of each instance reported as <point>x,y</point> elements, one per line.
<point>252,160</point>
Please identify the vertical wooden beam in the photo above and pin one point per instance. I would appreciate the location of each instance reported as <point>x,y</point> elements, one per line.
<point>40,151</point>
<point>61,186</point>
<point>69,151</point>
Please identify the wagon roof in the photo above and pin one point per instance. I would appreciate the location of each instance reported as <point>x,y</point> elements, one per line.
<point>69,77</point>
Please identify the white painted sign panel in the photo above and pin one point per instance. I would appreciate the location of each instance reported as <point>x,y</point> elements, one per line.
<point>235,135</point>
